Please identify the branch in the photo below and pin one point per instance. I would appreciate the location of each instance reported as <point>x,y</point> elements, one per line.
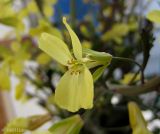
<point>149,86</point>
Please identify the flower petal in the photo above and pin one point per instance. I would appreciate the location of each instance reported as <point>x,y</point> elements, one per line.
<point>86,89</point>
<point>77,48</point>
<point>75,91</point>
<point>55,47</point>
<point>135,115</point>
<point>137,121</point>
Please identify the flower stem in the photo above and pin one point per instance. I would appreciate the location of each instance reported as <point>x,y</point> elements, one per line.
<point>132,61</point>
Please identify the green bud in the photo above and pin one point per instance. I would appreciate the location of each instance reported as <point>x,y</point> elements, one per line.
<point>97,56</point>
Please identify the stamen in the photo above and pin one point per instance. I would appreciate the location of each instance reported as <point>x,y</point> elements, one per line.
<point>75,72</point>
<point>70,62</point>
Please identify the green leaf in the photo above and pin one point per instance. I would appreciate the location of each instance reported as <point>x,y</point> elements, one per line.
<point>71,125</point>
<point>98,73</point>
<point>154,16</point>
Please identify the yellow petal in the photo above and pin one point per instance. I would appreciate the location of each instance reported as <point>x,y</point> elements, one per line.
<point>77,48</point>
<point>86,89</point>
<point>135,115</point>
<point>137,121</point>
<point>55,47</point>
<point>141,130</point>
<point>75,91</point>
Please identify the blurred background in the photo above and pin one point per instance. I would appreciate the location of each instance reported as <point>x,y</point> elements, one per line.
<point>28,76</point>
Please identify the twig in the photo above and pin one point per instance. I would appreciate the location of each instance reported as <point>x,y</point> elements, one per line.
<point>134,77</point>
<point>151,85</point>
<point>132,61</point>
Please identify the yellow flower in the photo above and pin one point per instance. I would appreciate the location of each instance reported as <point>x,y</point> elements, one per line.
<point>137,121</point>
<point>75,89</point>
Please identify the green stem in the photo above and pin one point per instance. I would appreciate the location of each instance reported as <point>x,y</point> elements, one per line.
<point>132,61</point>
<point>134,77</point>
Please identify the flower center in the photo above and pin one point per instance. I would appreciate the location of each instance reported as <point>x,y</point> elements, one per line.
<point>75,66</point>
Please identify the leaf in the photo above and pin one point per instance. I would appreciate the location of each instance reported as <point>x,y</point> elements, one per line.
<point>98,73</point>
<point>154,16</point>
<point>71,125</point>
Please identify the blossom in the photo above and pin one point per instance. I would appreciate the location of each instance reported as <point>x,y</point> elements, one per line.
<point>75,89</point>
